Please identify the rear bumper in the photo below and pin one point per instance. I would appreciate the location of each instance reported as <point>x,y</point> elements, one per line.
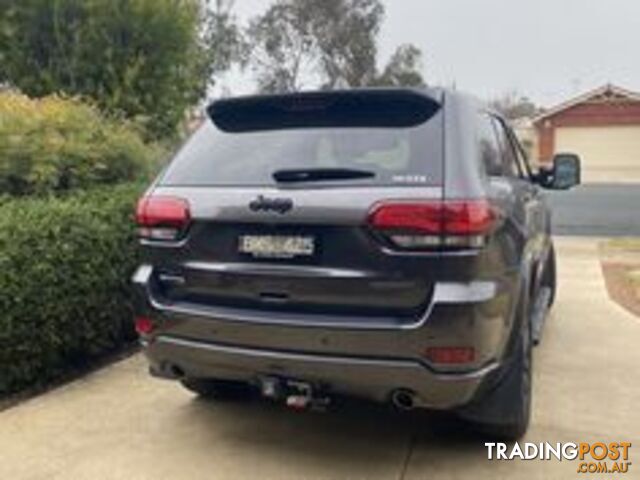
<point>372,378</point>
<point>361,358</point>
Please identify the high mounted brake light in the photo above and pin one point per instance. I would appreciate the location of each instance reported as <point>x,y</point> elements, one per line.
<point>430,224</point>
<point>162,218</point>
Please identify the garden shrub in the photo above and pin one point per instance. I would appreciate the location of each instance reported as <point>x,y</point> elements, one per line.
<point>55,144</point>
<point>65,268</point>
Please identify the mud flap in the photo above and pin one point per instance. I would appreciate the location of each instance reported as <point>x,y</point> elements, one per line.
<point>499,405</point>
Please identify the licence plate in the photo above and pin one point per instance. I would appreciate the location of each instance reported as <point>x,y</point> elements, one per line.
<point>276,246</point>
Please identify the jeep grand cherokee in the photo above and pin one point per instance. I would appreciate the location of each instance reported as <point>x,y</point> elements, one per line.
<point>391,244</point>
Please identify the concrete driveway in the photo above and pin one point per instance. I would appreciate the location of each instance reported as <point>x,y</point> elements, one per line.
<point>121,424</point>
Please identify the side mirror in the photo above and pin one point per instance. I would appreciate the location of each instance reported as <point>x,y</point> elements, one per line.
<point>565,173</point>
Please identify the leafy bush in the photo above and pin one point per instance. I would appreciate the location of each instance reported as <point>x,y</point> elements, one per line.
<point>146,59</point>
<point>56,144</point>
<point>65,265</point>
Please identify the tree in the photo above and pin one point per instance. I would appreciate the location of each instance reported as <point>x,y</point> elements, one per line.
<point>223,38</point>
<point>514,105</point>
<point>346,33</point>
<point>284,47</point>
<point>332,43</point>
<point>403,68</point>
<point>146,59</point>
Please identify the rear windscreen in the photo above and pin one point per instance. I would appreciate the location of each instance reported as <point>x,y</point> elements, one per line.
<point>232,154</point>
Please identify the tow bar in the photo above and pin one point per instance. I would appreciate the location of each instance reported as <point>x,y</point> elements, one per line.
<point>297,395</point>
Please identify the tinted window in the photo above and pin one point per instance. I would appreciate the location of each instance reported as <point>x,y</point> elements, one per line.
<point>488,147</point>
<point>398,155</point>
<point>521,156</point>
<point>509,155</point>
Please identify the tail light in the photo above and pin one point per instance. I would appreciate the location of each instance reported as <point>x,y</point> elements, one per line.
<point>424,225</point>
<point>162,218</point>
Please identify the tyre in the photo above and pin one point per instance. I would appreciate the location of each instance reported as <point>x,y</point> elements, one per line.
<point>217,389</point>
<point>505,411</point>
<point>549,279</point>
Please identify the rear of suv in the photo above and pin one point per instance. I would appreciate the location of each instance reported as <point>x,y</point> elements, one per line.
<point>391,244</point>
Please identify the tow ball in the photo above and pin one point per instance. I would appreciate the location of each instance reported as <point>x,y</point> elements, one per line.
<point>296,394</point>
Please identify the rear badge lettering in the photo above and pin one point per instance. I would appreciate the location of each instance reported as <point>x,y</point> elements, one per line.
<point>410,179</point>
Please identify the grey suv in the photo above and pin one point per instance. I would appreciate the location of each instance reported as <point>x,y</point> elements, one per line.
<point>391,244</point>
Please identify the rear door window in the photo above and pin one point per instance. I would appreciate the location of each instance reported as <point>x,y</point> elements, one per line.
<point>489,147</point>
<point>511,165</point>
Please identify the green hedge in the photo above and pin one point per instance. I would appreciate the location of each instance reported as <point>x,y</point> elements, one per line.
<point>65,265</point>
<point>54,144</point>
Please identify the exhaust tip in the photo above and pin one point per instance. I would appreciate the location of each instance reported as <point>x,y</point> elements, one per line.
<point>403,400</point>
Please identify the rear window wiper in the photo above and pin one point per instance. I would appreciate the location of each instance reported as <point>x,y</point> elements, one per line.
<point>320,174</point>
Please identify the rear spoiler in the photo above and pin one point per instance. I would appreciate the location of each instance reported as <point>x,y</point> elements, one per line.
<point>374,108</point>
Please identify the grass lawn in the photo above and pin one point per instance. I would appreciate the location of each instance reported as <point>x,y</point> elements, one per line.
<point>621,266</point>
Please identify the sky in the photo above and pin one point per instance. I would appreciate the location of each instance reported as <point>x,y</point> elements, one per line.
<point>548,50</point>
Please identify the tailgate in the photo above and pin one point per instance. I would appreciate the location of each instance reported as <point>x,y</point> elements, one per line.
<point>343,269</point>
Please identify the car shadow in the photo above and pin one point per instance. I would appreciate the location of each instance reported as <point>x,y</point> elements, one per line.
<point>356,433</point>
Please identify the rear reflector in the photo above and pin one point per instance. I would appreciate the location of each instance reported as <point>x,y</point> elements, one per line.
<point>162,218</point>
<point>450,355</point>
<point>144,325</point>
<point>419,225</point>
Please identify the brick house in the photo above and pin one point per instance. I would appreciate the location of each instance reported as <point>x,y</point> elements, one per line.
<point>602,126</point>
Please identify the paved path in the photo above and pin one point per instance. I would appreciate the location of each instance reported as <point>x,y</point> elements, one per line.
<point>121,424</point>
